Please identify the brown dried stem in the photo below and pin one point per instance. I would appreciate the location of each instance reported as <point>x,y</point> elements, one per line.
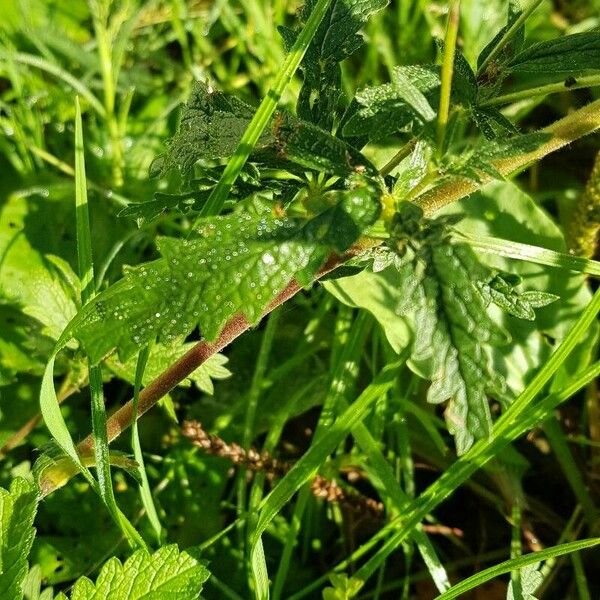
<point>325,489</point>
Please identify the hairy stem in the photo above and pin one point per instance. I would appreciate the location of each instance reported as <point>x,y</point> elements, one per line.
<point>572,127</point>
<point>201,352</point>
<point>544,90</point>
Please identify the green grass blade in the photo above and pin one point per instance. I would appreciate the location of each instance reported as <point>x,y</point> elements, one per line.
<point>58,72</point>
<point>261,118</point>
<point>308,465</point>
<point>517,419</point>
<point>515,564</point>
<point>86,273</point>
<point>535,254</point>
<point>447,72</point>
<point>145,491</point>
<point>570,470</point>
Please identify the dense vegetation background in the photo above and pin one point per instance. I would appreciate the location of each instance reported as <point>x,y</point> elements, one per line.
<point>133,64</point>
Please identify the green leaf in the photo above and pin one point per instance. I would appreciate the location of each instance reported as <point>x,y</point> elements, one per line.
<point>336,39</point>
<point>162,356</point>
<point>43,285</point>
<point>394,106</point>
<point>503,294</point>
<point>378,296</point>
<point>211,126</point>
<point>18,506</point>
<point>239,264</point>
<point>168,573</point>
<point>568,55</point>
<point>451,325</point>
<point>442,292</point>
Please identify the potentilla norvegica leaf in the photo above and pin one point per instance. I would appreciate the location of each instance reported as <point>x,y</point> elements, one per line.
<point>168,573</point>
<point>336,39</point>
<point>238,264</point>
<point>211,125</point>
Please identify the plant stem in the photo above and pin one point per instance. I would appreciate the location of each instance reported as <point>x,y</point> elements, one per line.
<point>578,124</point>
<point>510,32</point>
<point>447,72</point>
<point>262,116</point>
<point>543,90</point>
<point>201,352</point>
<point>398,157</point>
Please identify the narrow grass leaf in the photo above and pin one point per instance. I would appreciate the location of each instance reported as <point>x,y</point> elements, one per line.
<point>515,564</point>
<point>145,491</point>
<point>535,254</point>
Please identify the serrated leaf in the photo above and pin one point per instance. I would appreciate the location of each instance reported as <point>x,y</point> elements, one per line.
<point>569,55</point>
<point>239,263</point>
<point>515,302</point>
<point>163,355</point>
<point>336,39</point>
<point>18,507</point>
<point>211,127</point>
<point>166,574</point>
<point>530,581</point>
<point>394,106</point>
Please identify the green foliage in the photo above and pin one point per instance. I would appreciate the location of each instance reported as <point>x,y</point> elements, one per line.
<point>336,39</point>
<point>18,506</point>
<point>569,55</point>
<point>168,573</point>
<point>466,313</point>
<point>239,263</point>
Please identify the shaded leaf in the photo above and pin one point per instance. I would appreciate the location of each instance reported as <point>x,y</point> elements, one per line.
<point>569,55</point>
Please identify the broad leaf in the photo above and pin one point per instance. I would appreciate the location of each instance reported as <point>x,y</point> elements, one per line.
<point>442,291</point>
<point>17,511</point>
<point>168,573</point>
<point>568,55</point>
<point>239,264</point>
<point>336,39</point>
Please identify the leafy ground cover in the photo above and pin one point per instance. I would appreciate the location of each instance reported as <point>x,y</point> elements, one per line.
<point>298,300</point>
